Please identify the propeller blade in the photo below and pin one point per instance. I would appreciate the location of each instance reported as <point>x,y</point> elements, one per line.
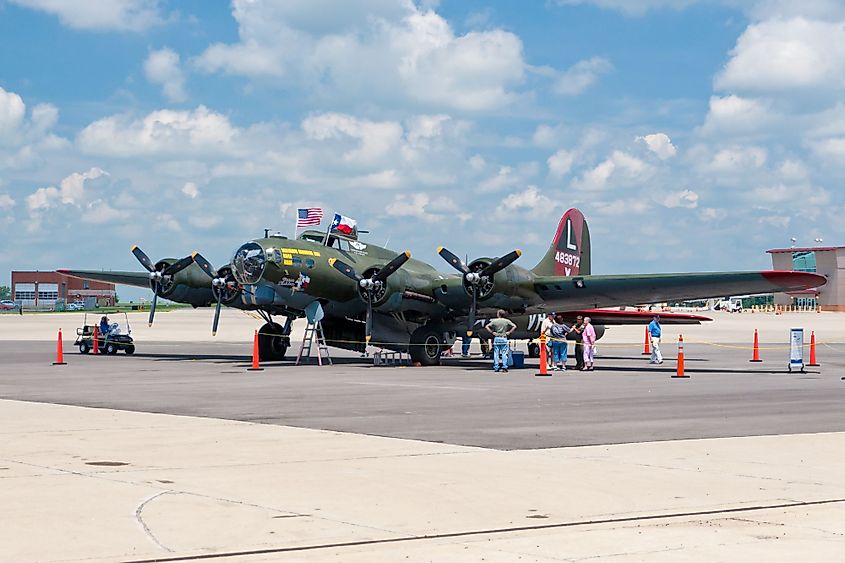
<point>453,260</point>
<point>143,258</point>
<point>344,269</point>
<point>153,306</point>
<point>204,264</point>
<point>392,266</point>
<point>368,326</point>
<point>501,263</point>
<point>217,313</point>
<point>472,309</point>
<point>178,266</point>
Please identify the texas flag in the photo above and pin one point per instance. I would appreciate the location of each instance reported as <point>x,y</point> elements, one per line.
<point>344,225</point>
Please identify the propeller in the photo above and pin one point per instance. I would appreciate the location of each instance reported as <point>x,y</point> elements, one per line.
<point>473,278</point>
<point>371,284</point>
<point>218,281</point>
<point>158,275</point>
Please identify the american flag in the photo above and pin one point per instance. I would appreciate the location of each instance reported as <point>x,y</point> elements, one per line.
<point>308,217</point>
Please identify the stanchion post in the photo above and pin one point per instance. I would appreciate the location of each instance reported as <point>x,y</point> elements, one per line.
<point>646,344</point>
<point>60,358</point>
<point>544,368</point>
<point>756,356</point>
<point>255,365</point>
<point>680,374</point>
<point>813,362</point>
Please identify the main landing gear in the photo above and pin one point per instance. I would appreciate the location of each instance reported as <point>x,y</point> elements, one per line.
<point>427,344</point>
<point>274,340</point>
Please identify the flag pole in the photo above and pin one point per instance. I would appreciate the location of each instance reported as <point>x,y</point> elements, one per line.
<point>296,224</point>
<point>328,230</point>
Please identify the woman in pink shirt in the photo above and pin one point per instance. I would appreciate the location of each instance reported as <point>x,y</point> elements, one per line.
<point>589,337</point>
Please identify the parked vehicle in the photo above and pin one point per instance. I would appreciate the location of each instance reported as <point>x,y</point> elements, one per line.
<point>75,306</point>
<point>7,305</point>
<point>110,343</point>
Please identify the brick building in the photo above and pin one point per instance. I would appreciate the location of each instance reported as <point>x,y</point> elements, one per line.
<point>43,289</point>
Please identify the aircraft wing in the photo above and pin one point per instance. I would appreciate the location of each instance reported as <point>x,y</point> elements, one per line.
<point>578,292</point>
<point>610,317</point>
<point>136,279</point>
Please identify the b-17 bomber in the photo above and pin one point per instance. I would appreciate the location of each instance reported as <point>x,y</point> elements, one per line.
<point>367,294</point>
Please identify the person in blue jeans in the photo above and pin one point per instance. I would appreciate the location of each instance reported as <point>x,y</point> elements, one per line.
<point>655,332</point>
<point>501,328</point>
<point>557,334</point>
<point>466,341</point>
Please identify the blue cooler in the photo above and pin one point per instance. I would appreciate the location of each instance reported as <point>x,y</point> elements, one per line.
<point>518,359</point>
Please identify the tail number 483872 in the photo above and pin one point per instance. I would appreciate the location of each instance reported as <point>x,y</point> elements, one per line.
<point>568,259</point>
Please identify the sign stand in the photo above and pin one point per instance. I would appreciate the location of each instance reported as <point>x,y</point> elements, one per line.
<point>796,349</point>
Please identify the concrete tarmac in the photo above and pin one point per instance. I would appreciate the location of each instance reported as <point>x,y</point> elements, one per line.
<point>363,463</point>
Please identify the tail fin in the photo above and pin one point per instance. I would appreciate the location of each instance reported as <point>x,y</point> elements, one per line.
<point>569,254</point>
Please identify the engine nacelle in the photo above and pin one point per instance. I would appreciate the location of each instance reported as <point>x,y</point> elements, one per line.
<point>196,296</point>
<point>191,277</point>
<point>388,296</point>
<point>510,288</point>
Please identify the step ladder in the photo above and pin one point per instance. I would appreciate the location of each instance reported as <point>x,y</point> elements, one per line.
<point>313,330</point>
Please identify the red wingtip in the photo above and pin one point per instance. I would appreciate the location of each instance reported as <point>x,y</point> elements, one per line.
<point>793,281</point>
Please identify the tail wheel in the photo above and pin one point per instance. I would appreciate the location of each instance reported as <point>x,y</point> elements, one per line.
<point>273,343</point>
<point>426,346</point>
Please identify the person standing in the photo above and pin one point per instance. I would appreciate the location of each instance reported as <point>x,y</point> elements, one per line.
<point>557,335</point>
<point>545,328</point>
<point>576,334</point>
<point>655,332</point>
<point>501,328</point>
<point>466,341</point>
<point>589,338</point>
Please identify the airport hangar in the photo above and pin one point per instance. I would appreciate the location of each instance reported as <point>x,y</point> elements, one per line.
<point>826,260</point>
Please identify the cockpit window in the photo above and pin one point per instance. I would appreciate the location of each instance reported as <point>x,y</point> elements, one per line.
<point>248,263</point>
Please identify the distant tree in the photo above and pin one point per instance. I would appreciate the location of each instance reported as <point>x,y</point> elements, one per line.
<point>5,292</point>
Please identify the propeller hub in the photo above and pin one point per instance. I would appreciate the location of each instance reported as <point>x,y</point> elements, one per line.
<point>367,283</point>
<point>155,275</point>
<point>473,278</point>
<point>218,282</point>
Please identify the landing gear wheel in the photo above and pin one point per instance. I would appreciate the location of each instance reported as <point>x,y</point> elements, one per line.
<point>273,343</point>
<point>110,349</point>
<point>84,347</point>
<point>533,350</point>
<point>426,346</point>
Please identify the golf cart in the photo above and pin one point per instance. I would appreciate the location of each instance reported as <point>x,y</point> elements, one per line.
<point>110,343</point>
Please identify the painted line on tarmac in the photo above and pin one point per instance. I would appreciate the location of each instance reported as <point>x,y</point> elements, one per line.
<point>470,533</point>
<point>416,386</point>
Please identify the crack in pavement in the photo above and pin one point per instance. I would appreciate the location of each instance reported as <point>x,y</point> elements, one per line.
<point>490,531</point>
<point>144,524</point>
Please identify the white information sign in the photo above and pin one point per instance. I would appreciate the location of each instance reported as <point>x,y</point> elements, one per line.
<point>796,348</point>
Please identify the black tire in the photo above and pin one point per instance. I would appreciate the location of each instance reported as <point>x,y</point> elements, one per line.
<point>426,346</point>
<point>533,350</point>
<point>84,347</point>
<point>110,348</point>
<point>129,349</point>
<point>273,343</point>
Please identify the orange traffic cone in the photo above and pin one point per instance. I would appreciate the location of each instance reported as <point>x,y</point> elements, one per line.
<point>96,346</point>
<point>60,357</point>
<point>646,344</point>
<point>680,372</point>
<point>544,368</point>
<point>756,357</point>
<point>813,362</point>
<point>255,366</point>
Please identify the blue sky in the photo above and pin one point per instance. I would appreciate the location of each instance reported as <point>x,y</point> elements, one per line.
<point>693,134</point>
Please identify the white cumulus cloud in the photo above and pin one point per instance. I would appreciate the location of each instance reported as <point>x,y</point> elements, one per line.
<point>660,144</point>
<point>383,49</point>
<point>163,68</point>
<point>190,189</point>
<point>560,163</point>
<point>122,15</point>
<point>581,76</point>
<point>683,198</point>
